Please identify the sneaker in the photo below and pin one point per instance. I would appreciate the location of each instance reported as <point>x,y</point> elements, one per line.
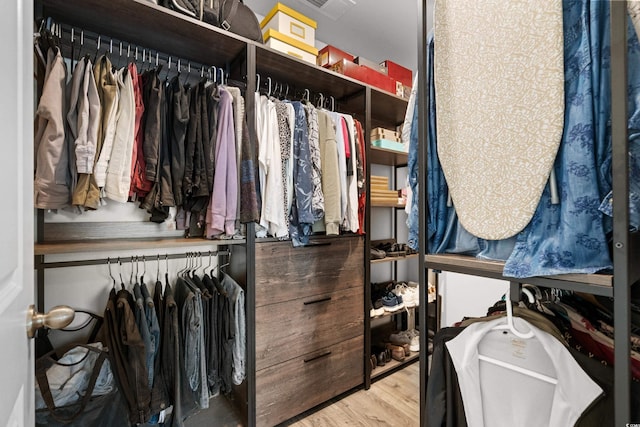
<point>409,294</point>
<point>414,289</point>
<point>392,302</point>
<point>411,337</point>
<point>376,312</point>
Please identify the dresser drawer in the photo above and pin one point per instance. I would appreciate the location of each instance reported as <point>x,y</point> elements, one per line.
<point>292,328</point>
<point>288,389</point>
<point>286,273</point>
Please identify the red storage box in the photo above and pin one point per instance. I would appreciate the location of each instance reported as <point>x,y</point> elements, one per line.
<point>398,72</point>
<point>365,75</point>
<point>329,55</point>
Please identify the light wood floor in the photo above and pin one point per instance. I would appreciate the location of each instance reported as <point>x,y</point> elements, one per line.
<point>391,401</point>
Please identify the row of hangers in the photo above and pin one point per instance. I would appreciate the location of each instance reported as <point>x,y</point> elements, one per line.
<point>281,91</point>
<point>121,53</point>
<point>193,263</point>
<point>55,35</point>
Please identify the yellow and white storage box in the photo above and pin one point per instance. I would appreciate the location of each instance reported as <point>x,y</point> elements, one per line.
<point>291,23</point>
<point>290,46</point>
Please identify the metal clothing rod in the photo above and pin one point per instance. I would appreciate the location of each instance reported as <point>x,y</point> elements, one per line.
<point>99,261</point>
<point>69,35</point>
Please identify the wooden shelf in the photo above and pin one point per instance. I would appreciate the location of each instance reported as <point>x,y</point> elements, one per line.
<point>394,258</point>
<point>393,313</point>
<point>387,109</point>
<point>599,284</point>
<point>302,75</point>
<point>90,246</point>
<point>382,156</point>
<point>151,26</point>
<point>394,364</point>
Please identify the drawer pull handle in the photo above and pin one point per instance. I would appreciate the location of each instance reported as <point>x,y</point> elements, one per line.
<point>317,301</point>
<point>320,356</point>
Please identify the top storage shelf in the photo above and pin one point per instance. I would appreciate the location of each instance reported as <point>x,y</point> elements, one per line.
<point>156,27</point>
<point>151,26</point>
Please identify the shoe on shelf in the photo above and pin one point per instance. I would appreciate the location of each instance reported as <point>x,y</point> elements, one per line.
<point>381,358</point>
<point>377,253</point>
<point>411,337</point>
<point>399,339</point>
<point>431,291</point>
<point>415,289</point>
<point>392,302</point>
<point>405,347</point>
<point>374,361</point>
<point>408,293</point>
<point>397,352</point>
<point>376,312</point>
<point>376,309</point>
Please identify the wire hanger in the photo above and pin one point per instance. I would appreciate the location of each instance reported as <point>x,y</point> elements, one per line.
<point>120,273</point>
<point>110,274</point>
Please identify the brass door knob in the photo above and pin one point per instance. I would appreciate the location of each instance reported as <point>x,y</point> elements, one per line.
<point>57,318</point>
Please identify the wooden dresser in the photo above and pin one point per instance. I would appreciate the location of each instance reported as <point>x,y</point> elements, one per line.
<point>309,325</point>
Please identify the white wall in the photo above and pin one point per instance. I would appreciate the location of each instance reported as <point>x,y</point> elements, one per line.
<point>470,296</point>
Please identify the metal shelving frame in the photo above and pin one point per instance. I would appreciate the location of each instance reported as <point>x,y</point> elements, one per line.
<point>625,244</point>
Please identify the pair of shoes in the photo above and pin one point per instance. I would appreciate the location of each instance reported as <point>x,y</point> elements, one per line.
<point>411,337</point>
<point>392,302</point>
<point>377,253</point>
<point>409,294</point>
<point>396,250</point>
<point>407,249</point>
<point>397,352</point>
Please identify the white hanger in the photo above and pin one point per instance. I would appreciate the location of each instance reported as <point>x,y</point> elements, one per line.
<point>511,327</point>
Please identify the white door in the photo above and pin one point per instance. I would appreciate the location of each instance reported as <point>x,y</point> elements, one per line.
<point>16,214</point>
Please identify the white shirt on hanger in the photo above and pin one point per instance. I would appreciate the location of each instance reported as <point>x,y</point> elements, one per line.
<point>495,396</point>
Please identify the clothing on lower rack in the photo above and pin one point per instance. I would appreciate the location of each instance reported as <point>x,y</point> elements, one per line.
<point>448,407</point>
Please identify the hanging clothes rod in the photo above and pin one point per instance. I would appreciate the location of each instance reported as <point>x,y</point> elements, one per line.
<point>73,37</point>
<point>40,263</point>
<point>271,87</point>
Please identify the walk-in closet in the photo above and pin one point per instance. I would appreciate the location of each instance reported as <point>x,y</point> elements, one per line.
<point>320,213</point>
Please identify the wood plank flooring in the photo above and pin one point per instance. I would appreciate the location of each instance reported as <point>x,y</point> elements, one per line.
<point>391,401</point>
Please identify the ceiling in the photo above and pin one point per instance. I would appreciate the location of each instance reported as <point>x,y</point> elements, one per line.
<point>374,29</point>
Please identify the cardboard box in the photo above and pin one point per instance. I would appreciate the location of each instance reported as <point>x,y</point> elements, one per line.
<point>365,75</point>
<point>329,55</point>
<point>398,72</point>
<point>382,133</point>
<point>291,23</point>
<point>290,46</point>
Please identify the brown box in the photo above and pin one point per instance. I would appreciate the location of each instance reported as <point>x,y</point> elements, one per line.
<point>329,55</point>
